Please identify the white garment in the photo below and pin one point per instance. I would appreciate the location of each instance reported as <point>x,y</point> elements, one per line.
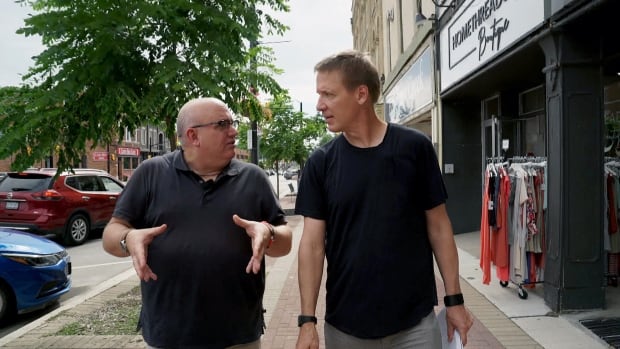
<point>519,226</point>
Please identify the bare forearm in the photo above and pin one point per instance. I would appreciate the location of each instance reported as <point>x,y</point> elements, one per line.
<point>310,273</point>
<point>447,259</point>
<point>441,238</point>
<point>113,233</point>
<point>282,241</point>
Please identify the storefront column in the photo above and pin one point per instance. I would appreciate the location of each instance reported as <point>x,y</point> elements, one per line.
<point>574,265</point>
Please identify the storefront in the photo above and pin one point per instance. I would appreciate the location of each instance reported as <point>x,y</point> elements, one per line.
<point>409,100</point>
<point>538,82</point>
<point>128,161</point>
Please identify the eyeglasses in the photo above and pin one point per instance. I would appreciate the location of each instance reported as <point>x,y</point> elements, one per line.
<point>221,125</point>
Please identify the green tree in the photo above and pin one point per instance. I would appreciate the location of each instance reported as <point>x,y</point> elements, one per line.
<point>15,101</point>
<point>112,66</point>
<point>290,135</point>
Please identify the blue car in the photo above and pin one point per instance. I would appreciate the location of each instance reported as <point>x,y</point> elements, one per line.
<point>34,273</point>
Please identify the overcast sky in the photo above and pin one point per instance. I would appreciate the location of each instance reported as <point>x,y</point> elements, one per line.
<point>318,28</point>
<point>15,50</point>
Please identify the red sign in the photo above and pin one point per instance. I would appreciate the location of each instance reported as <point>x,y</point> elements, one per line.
<point>100,156</point>
<point>128,151</point>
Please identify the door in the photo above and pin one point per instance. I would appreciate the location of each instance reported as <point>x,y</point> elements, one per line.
<point>491,130</point>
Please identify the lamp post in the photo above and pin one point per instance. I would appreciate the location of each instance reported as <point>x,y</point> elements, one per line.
<point>254,150</point>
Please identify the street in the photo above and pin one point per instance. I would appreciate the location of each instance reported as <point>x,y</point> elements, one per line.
<point>281,185</point>
<point>91,265</point>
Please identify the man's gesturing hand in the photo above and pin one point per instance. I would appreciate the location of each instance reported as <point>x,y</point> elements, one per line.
<point>138,241</point>
<point>259,233</point>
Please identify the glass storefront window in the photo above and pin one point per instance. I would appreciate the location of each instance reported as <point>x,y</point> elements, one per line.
<point>534,121</point>
<point>612,119</point>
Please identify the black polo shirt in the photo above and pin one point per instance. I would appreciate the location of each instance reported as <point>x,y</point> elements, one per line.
<point>203,297</point>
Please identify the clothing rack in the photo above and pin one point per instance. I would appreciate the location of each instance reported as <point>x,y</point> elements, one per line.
<point>520,258</point>
<point>525,159</point>
<point>495,159</point>
<point>500,166</point>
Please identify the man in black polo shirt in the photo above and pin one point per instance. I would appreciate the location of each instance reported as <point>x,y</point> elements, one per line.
<point>197,223</point>
<point>373,202</point>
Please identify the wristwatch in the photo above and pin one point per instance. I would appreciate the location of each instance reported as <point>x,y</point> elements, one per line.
<point>123,244</point>
<point>302,319</point>
<point>452,300</point>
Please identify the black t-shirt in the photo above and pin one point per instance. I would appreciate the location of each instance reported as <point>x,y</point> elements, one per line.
<point>380,277</point>
<point>203,298</point>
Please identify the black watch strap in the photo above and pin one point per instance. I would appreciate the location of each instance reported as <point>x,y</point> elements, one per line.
<point>302,319</point>
<point>452,300</point>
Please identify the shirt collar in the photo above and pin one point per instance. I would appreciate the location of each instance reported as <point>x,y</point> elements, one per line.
<point>232,169</point>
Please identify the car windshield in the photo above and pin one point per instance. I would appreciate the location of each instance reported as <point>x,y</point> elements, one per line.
<point>20,182</point>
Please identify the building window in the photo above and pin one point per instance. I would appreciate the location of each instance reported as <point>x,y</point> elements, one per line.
<point>533,121</point>
<point>127,135</point>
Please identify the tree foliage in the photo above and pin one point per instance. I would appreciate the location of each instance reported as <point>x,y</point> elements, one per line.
<point>114,65</point>
<point>290,135</point>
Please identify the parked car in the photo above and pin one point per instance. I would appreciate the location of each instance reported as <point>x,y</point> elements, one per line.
<point>68,206</point>
<point>34,273</point>
<point>290,172</point>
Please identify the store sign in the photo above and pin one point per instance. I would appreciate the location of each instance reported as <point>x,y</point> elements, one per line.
<point>480,30</point>
<point>100,156</point>
<point>128,151</point>
<point>412,92</point>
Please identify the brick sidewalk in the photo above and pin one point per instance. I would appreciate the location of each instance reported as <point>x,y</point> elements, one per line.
<point>282,330</point>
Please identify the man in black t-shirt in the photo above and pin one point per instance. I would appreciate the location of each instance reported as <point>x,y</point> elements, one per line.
<point>197,224</point>
<point>373,201</point>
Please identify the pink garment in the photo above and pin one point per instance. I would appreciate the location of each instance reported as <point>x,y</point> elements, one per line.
<point>485,237</point>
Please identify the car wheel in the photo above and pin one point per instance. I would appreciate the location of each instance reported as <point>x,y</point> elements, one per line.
<point>7,304</point>
<point>77,230</point>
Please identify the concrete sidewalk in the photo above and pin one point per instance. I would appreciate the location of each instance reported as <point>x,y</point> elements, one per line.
<point>502,320</point>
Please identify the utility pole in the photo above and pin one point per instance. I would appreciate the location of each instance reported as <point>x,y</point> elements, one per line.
<point>254,153</point>
<point>108,146</point>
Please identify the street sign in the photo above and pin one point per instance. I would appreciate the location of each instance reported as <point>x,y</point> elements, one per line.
<point>122,151</point>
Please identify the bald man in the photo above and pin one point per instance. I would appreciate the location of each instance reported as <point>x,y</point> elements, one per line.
<point>197,223</point>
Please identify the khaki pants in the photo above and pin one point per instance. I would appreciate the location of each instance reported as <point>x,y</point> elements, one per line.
<point>426,334</point>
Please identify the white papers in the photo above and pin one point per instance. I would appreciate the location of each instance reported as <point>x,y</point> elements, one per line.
<point>456,339</point>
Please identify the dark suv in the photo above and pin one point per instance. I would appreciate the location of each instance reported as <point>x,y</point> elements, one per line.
<point>68,206</point>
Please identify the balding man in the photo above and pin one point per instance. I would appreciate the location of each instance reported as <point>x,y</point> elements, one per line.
<point>197,223</point>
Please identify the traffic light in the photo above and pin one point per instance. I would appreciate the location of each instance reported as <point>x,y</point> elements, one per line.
<point>113,157</point>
